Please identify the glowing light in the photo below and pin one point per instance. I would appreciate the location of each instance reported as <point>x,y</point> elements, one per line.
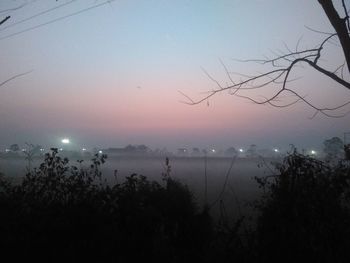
<point>241,150</point>
<point>313,152</point>
<point>213,150</point>
<point>83,149</point>
<point>100,152</point>
<point>24,150</point>
<point>276,150</point>
<point>60,149</point>
<point>65,141</point>
<point>7,150</point>
<point>41,149</point>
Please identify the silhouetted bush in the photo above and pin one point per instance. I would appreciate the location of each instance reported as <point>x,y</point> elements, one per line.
<point>70,213</point>
<point>61,212</point>
<point>347,151</point>
<point>305,212</point>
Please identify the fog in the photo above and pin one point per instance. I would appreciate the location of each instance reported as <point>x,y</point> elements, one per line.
<point>237,193</point>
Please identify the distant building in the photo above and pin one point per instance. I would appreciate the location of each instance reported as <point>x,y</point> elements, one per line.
<point>252,151</point>
<point>195,152</point>
<point>128,150</point>
<point>231,152</point>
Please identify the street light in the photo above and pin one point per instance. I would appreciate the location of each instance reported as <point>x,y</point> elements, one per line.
<point>65,141</point>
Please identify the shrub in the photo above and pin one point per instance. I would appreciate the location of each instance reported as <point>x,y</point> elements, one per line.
<point>70,213</point>
<point>305,212</point>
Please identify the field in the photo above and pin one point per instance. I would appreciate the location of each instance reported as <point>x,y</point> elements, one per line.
<point>237,193</point>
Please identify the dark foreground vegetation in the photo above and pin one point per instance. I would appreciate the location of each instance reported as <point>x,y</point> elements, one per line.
<point>66,213</point>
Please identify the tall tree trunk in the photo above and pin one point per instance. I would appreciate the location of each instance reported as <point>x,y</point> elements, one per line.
<point>339,24</point>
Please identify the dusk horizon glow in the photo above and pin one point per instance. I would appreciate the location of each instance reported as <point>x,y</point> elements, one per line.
<point>114,75</point>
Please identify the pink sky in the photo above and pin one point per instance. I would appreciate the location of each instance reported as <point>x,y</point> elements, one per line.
<point>111,76</point>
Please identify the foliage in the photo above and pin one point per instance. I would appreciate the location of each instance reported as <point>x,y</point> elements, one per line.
<point>305,212</point>
<point>333,148</point>
<point>14,147</point>
<point>347,151</point>
<point>70,212</point>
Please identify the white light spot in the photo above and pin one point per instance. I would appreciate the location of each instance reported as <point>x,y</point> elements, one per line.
<point>65,141</point>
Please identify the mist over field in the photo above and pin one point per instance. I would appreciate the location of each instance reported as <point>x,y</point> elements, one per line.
<point>239,189</point>
<point>175,131</point>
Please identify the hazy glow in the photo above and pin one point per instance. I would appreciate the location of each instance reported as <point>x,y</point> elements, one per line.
<point>65,141</point>
<point>111,76</point>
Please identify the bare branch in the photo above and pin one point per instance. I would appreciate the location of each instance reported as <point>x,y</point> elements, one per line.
<point>279,76</point>
<point>13,9</point>
<point>281,64</point>
<point>346,14</point>
<point>14,77</point>
<point>211,78</point>
<point>5,19</point>
<point>318,31</point>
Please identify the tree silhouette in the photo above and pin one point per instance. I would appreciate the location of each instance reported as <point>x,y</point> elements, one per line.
<point>14,147</point>
<point>333,148</point>
<point>279,68</point>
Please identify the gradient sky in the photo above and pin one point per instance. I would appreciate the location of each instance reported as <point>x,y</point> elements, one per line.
<point>110,76</point>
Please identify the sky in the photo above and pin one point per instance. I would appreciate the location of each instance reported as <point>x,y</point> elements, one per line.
<point>114,74</point>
